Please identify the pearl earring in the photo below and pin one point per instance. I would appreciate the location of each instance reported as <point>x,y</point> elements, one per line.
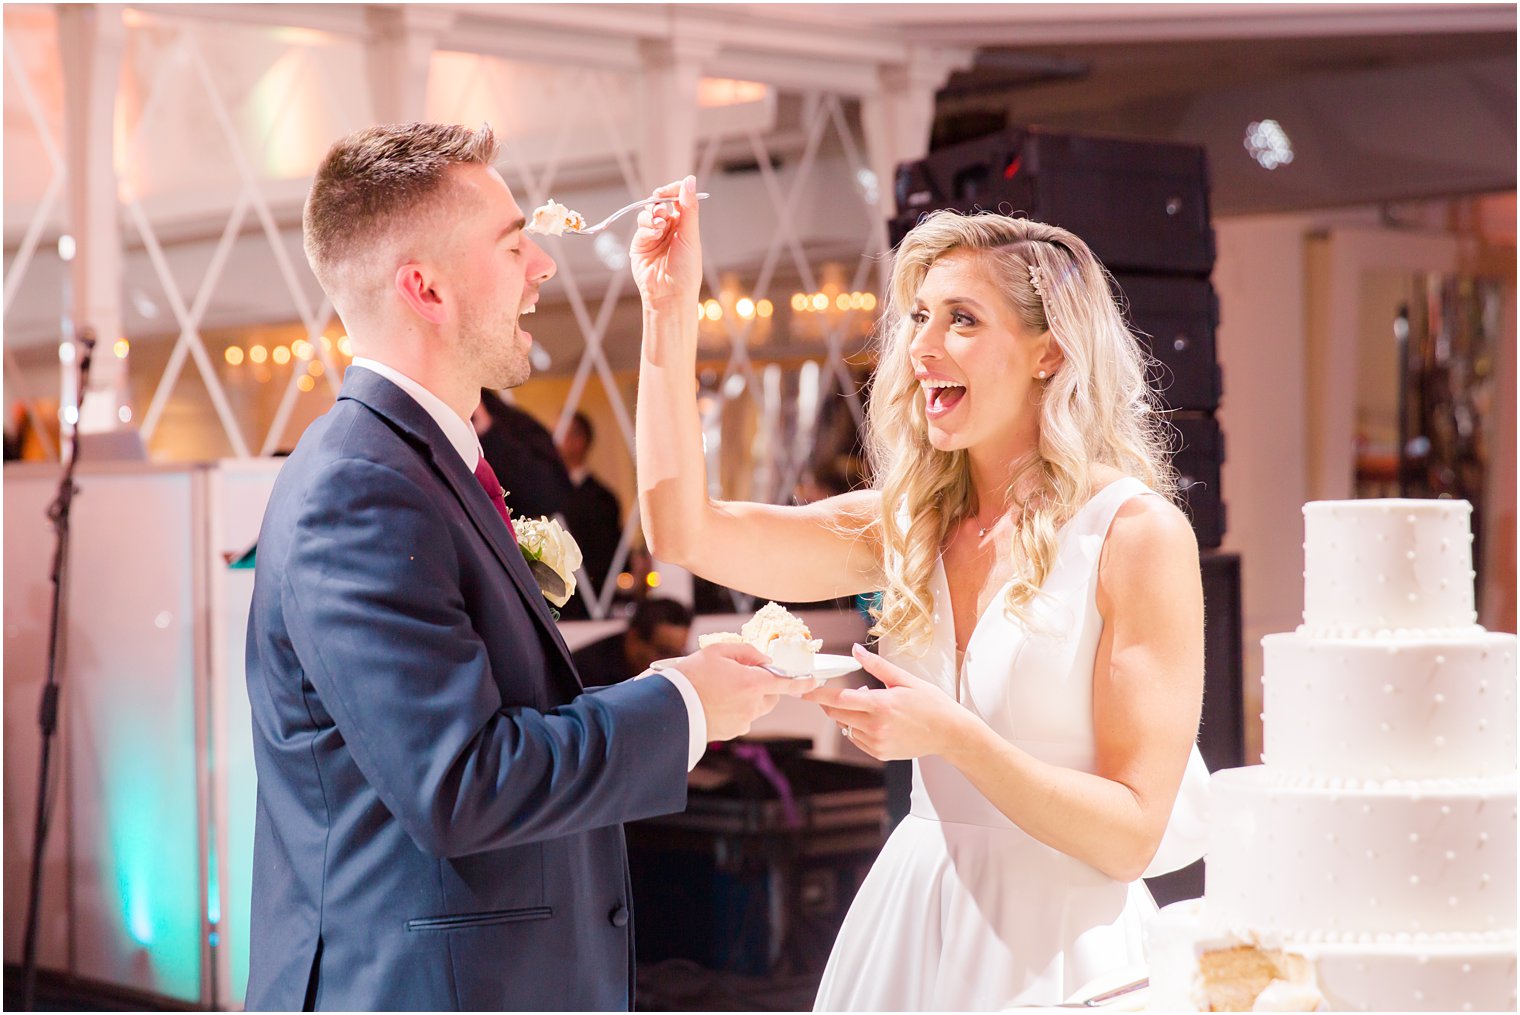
<point>1042,375</point>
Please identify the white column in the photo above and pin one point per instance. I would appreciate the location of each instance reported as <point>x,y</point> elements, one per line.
<point>90,41</point>
<point>672,70</point>
<point>899,117</point>
<point>400,51</point>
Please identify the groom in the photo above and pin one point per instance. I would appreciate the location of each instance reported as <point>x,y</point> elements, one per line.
<point>439,802</point>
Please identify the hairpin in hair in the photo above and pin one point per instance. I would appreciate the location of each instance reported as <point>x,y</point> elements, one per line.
<point>1034,280</point>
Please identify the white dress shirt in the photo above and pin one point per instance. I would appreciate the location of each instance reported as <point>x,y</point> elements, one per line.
<point>461,435</point>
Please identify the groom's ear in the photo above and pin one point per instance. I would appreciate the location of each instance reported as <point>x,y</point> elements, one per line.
<point>418,288</point>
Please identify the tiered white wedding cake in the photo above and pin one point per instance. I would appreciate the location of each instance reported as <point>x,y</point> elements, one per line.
<point>1369,862</point>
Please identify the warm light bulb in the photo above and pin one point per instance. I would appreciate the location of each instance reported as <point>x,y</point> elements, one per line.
<point>625,581</point>
<point>713,309</point>
<point>302,348</point>
<point>652,579</point>
<point>258,354</point>
<point>121,348</point>
<point>346,346</point>
<point>281,355</point>
<point>799,302</point>
<point>305,383</point>
<point>745,307</point>
<point>765,308</point>
<point>315,368</point>
<point>820,302</point>
<point>868,301</point>
<point>234,355</point>
<point>842,301</point>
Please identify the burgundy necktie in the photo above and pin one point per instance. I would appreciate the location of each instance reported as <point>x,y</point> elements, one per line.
<point>486,477</point>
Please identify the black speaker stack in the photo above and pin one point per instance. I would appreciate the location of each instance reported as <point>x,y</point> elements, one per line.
<point>1143,208</point>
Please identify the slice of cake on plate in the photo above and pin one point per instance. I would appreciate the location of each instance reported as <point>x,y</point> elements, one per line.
<point>779,634</point>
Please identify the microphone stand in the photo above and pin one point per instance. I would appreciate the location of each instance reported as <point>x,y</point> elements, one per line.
<point>47,716</point>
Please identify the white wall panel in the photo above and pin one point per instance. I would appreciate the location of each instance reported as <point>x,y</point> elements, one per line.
<point>135,904</point>
<point>238,492</point>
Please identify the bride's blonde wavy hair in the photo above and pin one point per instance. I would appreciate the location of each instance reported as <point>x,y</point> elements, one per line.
<point>1097,408</point>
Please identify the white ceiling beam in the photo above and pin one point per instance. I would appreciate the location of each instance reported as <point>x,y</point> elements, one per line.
<point>1055,24</point>
<point>398,58</point>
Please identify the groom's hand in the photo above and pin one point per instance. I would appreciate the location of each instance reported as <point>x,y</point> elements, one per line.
<point>666,251</point>
<point>734,690</point>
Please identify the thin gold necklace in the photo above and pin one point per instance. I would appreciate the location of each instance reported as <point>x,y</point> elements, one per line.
<point>982,530</point>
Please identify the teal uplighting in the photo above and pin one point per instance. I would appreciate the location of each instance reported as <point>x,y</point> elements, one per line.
<point>139,912</point>
<point>149,849</point>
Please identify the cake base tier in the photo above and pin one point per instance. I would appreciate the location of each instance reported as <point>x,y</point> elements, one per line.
<point>1408,973</point>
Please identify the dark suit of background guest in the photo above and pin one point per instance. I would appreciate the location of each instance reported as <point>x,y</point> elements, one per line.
<point>592,514</point>
<point>439,803</point>
<point>523,454</point>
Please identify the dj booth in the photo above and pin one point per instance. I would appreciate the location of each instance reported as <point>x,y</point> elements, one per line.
<point>755,876</point>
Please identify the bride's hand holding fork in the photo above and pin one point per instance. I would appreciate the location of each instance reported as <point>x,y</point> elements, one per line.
<point>666,250</point>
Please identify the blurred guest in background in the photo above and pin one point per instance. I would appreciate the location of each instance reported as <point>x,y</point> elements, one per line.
<point>521,451</point>
<point>592,514</point>
<point>659,629</point>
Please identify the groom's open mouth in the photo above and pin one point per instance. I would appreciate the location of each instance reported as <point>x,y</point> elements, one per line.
<point>941,395</point>
<point>524,311</point>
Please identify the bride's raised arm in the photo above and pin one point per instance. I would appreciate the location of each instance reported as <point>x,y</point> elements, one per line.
<point>797,554</point>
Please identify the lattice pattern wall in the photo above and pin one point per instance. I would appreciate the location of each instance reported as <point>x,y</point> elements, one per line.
<point>232,349</point>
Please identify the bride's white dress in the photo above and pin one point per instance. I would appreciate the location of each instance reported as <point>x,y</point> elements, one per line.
<point>963,910</point>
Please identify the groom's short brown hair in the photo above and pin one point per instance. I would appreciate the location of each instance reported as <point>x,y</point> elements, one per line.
<point>376,179</point>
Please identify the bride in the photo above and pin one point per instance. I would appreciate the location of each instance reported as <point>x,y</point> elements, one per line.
<point>1041,624</point>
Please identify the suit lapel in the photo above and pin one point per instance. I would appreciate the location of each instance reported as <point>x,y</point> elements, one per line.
<point>402,410</point>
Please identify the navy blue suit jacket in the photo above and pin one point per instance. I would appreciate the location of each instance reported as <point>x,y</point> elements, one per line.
<point>439,800</point>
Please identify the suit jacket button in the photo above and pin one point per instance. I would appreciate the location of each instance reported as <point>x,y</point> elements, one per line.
<point>619,915</point>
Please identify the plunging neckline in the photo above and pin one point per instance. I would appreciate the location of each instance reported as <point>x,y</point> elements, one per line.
<point>959,654</point>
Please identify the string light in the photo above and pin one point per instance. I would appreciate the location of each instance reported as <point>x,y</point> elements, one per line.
<point>652,579</point>
<point>745,307</point>
<point>234,355</point>
<point>315,368</point>
<point>713,310</point>
<point>258,354</point>
<point>305,383</point>
<point>281,355</point>
<point>764,308</point>
<point>799,302</point>
<point>302,348</point>
<point>121,348</point>
<point>345,346</point>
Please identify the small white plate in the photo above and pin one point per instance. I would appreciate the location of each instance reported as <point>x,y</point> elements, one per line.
<point>825,667</point>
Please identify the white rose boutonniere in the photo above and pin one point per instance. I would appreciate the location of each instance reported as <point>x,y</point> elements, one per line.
<point>552,555</point>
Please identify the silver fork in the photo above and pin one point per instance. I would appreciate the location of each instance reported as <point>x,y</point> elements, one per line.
<point>635,206</point>
<point>660,665</point>
<point>1098,1000</point>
